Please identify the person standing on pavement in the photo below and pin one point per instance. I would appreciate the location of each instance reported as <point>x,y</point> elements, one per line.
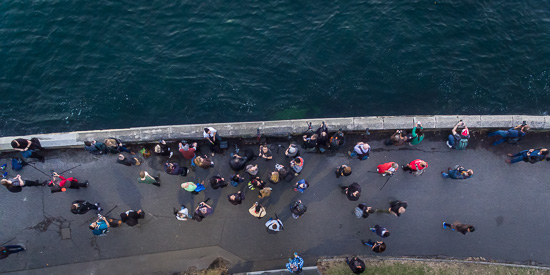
<point>512,136</point>
<point>82,207</point>
<point>343,171</point>
<point>144,177</point>
<point>417,134</point>
<point>274,225</point>
<point>295,264</point>
<point>131,217</point>
<point>301,186</point>
<point>211,135</point>
<point>361,151</point>
<point>363,211</point>
<point>531,156</point>
<point>456,141</point>
<point>202,211</point>
<point>265,152</point>
<point>94,147</point>
<point>162,149</point>
<point>387,169</point>
<point>353,191</point>
<point>192,187</point>
<point>459,173</point>
<point>459,227</point>
<point>186,150</point>
<point>6,250</point>
<point>356,265</point>
<point>380,231</point>
<point>298,209</point>
<point>236,198</point>
<point>377,246</point>
<point>416,167</point>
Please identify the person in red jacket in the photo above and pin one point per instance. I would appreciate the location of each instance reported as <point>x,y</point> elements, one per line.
<point>60,183</point>
<point>187,150</point>
<point>416,167</point>
<point>387,168</point>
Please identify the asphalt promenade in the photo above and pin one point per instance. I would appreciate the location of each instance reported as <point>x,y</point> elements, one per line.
<point>506,203</point>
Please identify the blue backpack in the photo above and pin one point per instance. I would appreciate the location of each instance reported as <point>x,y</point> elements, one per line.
<point>16,164</point>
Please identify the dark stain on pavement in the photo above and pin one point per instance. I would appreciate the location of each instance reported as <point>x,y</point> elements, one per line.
<point>43,225</point>
<point>499,220</point>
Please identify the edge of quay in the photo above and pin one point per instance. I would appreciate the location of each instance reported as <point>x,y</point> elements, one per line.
<point>280,128</point>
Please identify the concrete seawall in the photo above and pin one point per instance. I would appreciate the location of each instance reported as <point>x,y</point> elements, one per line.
<point>281,128</point>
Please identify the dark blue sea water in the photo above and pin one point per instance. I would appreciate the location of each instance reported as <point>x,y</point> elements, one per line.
<point>77,65</point>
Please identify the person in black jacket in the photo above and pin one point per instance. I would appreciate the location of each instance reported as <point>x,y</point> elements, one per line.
<point>353,191</point>
<point>131,217</point>
<point>127,161</point>
<point>396,208</point>
<point>298,209</point>
<point>459,227</point>
<point>175,169</point>
<point>218,182</point>
<point>236,198</point>
<point>82,207</point>
<point>343,170</point>
<point>356,265</point>
<point>377,246</point>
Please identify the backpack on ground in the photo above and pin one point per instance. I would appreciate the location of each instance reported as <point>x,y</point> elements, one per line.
<point>17,164</point>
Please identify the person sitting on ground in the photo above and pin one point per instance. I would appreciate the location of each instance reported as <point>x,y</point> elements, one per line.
<point>265,152</point>
<point>343,170</point>
<point>387,169</point>
<point>28,148</point>
<point>459,173</point>
<point>322,138</point>
<point>298,209</point>
<point>396,208</point>
<point>238,162</point>
<point>377,246</point>
<point>94,147</point>
<point>252,170</point>
<point>186,150</point>
<point>182,214</point>
<point>274,177</point>
<point>60,183</point>
<point>265,192</point>
<point>162,149</point>
<point>356,265</point>
<point>236,180</point>
<point>310,141</point>
<point>256,183</point>
<point>417,134</point>
<point>174,169</point>
<point>415,167</point>
<point>16,184</point>
<point>114,146</point>
<point>397,139</point>
<point>456,141</point>
<point>512,136</point>
<point>363,211</point>
<point>337,140</point>
<point>100,226</point>
<point>202,211</point>
<point>292,151</point>
<point>353,191</point>
<point>82,207</point>
<point>361,151</point>
<point>257,210</point>
<point>459,227</point>
<point>144,177</point>
<point>531,156</point>
<point>203,162</point>
<point>211,135</point>
<point>380,231</point>
<point>295,265</point>
<point>128,161</point>
<point>131,217</point>
<point>218,182</point>
<point>274,225</point>
<point>297,165</point>
<point>301,186</point>
<point>284,172</point>
<point>236,198</point>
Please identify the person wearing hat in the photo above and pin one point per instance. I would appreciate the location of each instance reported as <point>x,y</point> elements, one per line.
<point>131,217</point>
<point>292,151</point>
<point>257,210</point>
<point>361,151</point>
<point>187,151</point>
<point>213,138</point>
<point>252,169</point>
<point>531,156</point>
<point>457,141</point>
<point>343,170</point>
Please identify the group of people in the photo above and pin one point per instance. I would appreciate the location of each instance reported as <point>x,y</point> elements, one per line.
<point>319,141</point>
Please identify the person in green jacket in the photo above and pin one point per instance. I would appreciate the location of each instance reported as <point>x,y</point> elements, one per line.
<point>417,134</point>
<point>144,177</point>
